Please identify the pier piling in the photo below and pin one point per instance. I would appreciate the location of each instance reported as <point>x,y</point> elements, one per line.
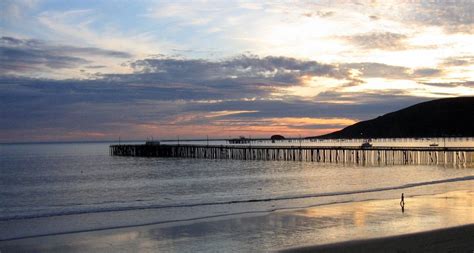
<point>357,155</point>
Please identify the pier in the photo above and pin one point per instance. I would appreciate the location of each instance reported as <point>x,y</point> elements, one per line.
<point>461,156</point>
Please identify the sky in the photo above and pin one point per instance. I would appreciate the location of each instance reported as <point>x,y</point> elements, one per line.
<point>103,70</point>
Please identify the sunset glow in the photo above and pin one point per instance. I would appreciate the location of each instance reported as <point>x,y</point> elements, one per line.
<point>79,71</point>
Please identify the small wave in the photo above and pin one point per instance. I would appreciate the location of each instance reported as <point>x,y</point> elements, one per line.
<point>256,200</point>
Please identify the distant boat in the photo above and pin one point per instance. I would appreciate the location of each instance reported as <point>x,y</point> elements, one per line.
<point>434,145</point>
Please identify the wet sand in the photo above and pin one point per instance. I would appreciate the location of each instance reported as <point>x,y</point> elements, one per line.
<point>457,239</point>
<point>354,223</point>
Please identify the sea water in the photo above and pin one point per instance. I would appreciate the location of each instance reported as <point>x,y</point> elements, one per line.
<point>70,187</point>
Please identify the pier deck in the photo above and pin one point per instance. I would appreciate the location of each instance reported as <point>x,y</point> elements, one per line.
<point>334,154</point>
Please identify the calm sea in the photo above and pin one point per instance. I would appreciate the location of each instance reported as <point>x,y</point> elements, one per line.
<point>78,187</point>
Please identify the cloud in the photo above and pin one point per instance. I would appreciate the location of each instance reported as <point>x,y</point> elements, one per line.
<point>171,102</point>
<point>247,66</point>
<point>12,42</point>
<point>451,84</point>
<point>455,61</point>
<point>91,51</point>
<point>427,72</point>
<point>378,40</point>
<point>452,16</point>
<point>322,14</point>
<point>373,17</point>
<point>169,96</point>
<point>241,78</point>
<point>14,10</point>
<point>247,74</point>
<point>20,55</point>
<point>373,69</point>
<point>85,27</point>
<point>95,66</point>
<point>316,60</point>
<point>16,60</point>
<point>380,70</point>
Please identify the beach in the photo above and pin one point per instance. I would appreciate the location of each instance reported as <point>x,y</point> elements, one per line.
<point>435,223</point>
<point>456,239</point>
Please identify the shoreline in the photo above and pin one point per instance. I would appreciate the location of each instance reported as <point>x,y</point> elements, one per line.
<point>453,239</point>
<point>354,225</point>
<point>108,220</point>
<point>282,198</point>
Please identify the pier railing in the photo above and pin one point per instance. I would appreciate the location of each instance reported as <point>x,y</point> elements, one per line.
<point>356,142</point>
<point>463,156</point>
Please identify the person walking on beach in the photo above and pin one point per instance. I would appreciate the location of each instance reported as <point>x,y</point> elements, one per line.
<point>402,203</point>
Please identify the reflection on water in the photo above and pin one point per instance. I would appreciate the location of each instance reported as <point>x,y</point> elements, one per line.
<point>359,217</point>
<point>277,230</point>
<point>324,224</point>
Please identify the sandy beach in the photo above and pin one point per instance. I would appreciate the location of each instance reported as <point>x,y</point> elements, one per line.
<point>441,222</point>
<point>456,239</point>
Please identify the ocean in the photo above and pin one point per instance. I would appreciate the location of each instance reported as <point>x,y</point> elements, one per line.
<point>70,187</point>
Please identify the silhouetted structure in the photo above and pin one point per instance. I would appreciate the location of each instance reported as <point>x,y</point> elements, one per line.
<point>240,140</point>
<point>277,137</point>
<point>358,155</point>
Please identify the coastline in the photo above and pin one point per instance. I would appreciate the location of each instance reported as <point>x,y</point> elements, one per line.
<point>333,227</point>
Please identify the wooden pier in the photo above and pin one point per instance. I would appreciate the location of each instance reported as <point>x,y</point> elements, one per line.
<point>358,155</point>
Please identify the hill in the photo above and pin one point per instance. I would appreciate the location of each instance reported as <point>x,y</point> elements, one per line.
<point>452,117</point>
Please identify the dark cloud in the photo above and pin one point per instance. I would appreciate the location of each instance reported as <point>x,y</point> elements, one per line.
<point>358,106</point>
<point>378,40</point>
<point>320,126</point>
<point>165,91</point>
<point>59,49</point>
<point>172,79</point>
<point>27,100</point>
<point>20,59</point>
<point>20,55</point>
<point>91,51</point>
<point>77,105</point>
<point>115,103</point>
<point>14,42</point>
<point>242,76</point>
<point>273,69</point>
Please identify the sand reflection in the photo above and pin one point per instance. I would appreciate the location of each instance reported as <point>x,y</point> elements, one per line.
<point>276,230</point>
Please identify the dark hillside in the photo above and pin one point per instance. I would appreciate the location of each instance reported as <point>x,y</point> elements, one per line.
<point>452,117</point>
